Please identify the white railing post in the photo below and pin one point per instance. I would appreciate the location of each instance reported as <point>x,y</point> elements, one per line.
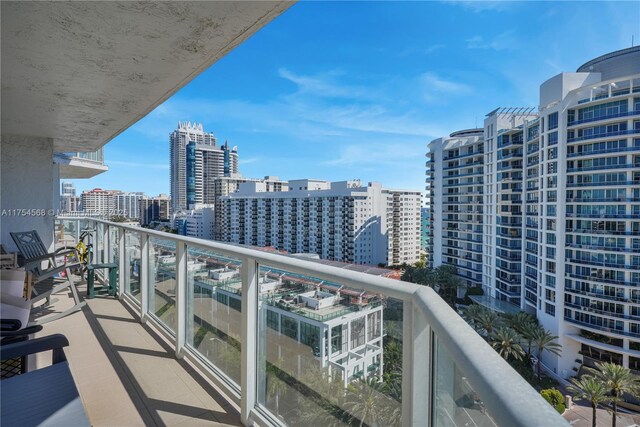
<point>123,268</point>
<point>106,245</point>
<point>144,277</point>
<point>181,297</point>
<point>249,339</point>
<point>417,387</point>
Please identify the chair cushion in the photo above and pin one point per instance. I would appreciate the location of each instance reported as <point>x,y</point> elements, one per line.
<point>45,397</point>
<point>15,308</point>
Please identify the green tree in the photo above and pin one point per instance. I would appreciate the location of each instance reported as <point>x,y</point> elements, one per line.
<point>590,389</point>
<point>618,380</point>
<point>487,321</point>
<point>506,342</point>
<point>472,313</point>
<point>361,401</point>
<point>543,341</point>
<point>528,332</point>
<point>520,320</point>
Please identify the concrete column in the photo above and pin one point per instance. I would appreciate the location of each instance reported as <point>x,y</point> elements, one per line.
<point>27,175</point>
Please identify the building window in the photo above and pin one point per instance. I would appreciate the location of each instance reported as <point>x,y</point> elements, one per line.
<point>289,327</point>
<point>552,121</point>
<point>550,309</point>
<point>309,335</point>
<point>357,332</point>
<point>373,327</point>
<point>272,320</point>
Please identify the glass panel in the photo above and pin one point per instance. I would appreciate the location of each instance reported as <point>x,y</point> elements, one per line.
<point>133,264</point>
<point>162,281</point>
<point>114,233</point>
<point>213,309</point>
<point>329,355</point>
<point>98,248</point>
<point>66,233</point>
<point>455,403</point>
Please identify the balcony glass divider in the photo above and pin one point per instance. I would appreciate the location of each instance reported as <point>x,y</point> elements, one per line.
<point>181,298</point>
<point>123,266</point>
<point>252,340</point>
<point>144,277</point>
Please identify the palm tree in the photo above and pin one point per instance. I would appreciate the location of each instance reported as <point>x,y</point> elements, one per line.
<point>472,313</point>
<point>543,340</point>
<point>487,321</point>
<point>362,401</point>
<point>618,380</point>
<point>520,320</point>
<point>506,342</point>
<point>446,276</point>
<point>590,389</point>
<point>528,331</point>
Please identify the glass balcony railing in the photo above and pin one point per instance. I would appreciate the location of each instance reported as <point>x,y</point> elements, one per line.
<point>293,342</point>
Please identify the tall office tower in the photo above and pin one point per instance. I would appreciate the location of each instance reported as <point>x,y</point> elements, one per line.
<point>154,209</point>
<point>128,204</point>
<point>98,202</point>
<point>455,184</point>
<point>502,199</point>
<point>339,221</point>
<point>589,231</point>
<point>195,160</point>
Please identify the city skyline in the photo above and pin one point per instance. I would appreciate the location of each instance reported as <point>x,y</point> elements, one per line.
<point>336,98</point>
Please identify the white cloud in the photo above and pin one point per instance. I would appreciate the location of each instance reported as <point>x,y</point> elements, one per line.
<point>503,41</point>
<point>248,160</point>
<point>381,155</point>
<point>433,48</point>
<point>478,6</point>
<point>438,84</point>
<point>138,165</point>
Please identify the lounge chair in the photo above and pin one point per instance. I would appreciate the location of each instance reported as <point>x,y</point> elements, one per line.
<point>46,396</point>
<point>45,281</point>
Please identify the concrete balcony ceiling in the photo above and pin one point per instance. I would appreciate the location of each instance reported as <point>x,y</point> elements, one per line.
<point>82,72</point>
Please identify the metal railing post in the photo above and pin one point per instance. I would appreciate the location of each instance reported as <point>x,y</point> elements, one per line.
<point>122,260</point>
<point>181,297</point>
<point>249,338</point>
<point>417,379</point>
<point>144,277</point>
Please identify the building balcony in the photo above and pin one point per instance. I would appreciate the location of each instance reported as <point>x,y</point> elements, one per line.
<point>211,327</point>
<point>603,135</point>
<point>605,117</point>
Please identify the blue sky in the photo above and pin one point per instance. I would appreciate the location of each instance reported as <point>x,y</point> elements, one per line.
<point>342,90</point>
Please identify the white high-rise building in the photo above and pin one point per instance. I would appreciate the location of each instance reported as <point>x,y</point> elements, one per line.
<point>128,203</point>
<point>195,161</point>
<point>199,222</point>
<point>340,221</point>
<point>98,202</point>
<point>455,187</point>
<point>561,220</point>
<point>69,201</point>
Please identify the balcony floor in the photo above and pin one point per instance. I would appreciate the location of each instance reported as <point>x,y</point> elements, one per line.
<point>127,375</point>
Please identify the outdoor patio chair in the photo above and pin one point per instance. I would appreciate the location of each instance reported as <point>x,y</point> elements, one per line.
<point>46,396</point>
<point>51,279</point>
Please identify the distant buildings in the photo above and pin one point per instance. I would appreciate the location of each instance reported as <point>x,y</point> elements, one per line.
<point>542,209</point>
<point>69,201</point>
<point>127,204</point>
<point>98,202</point>
<point>338,221</point>
<point>195,160</point>
<point>312,322</point>
<point>155,209</point>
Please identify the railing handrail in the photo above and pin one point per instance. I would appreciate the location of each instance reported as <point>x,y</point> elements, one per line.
<point>480,365</point>
<point>510,400</point>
